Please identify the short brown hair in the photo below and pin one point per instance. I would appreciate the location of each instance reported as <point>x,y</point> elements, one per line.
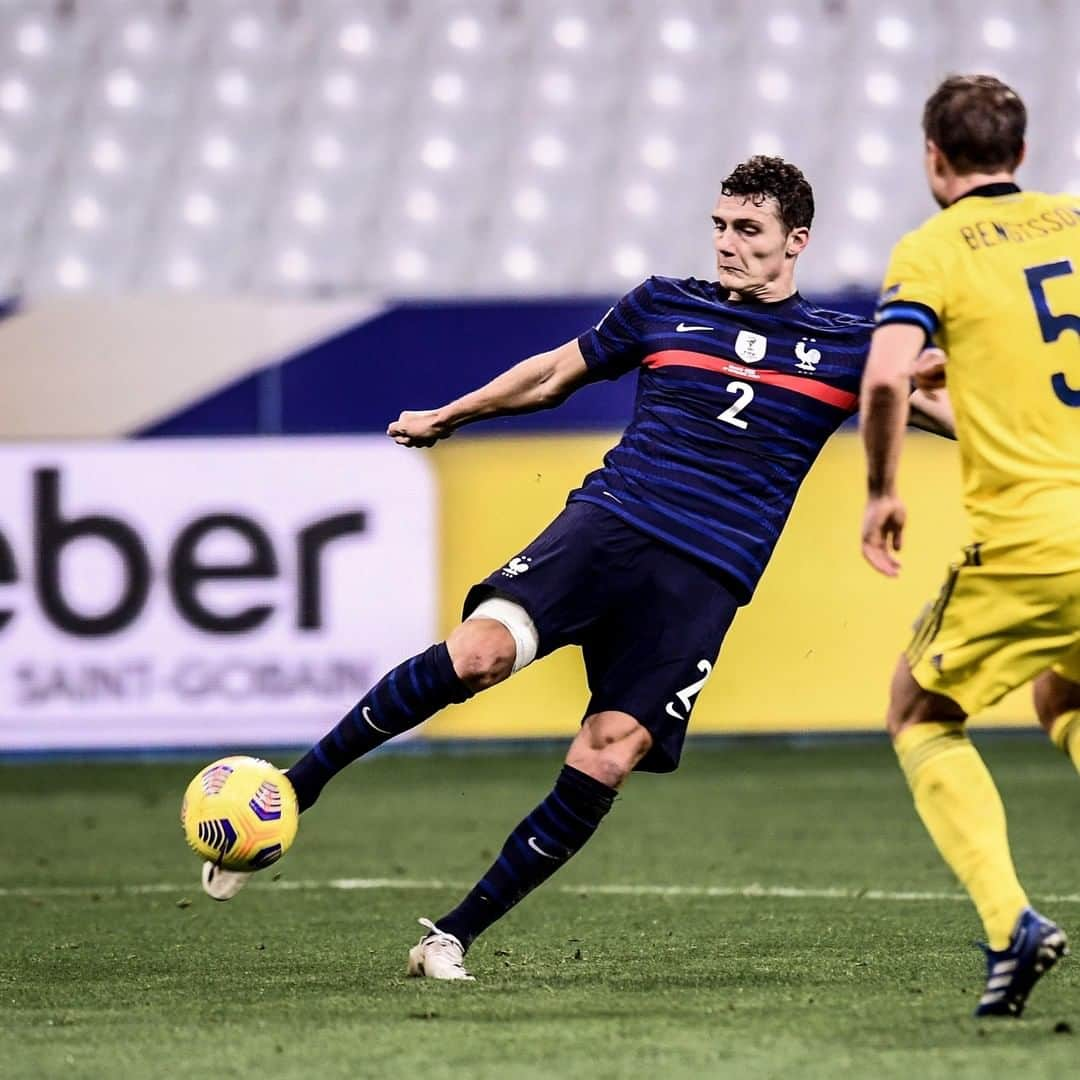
<point>977,122</point>
<point>763,177</point>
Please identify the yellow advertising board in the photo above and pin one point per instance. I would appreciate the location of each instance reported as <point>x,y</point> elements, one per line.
<point>812,653</point>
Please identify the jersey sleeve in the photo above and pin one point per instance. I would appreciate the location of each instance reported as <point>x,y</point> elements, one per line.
<point>914,288</point>
<point>615,345</point>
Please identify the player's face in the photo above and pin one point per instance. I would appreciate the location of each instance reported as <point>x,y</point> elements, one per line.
<point>753,249</point>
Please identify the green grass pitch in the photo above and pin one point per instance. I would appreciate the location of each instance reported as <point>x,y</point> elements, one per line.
<point>599,974</point>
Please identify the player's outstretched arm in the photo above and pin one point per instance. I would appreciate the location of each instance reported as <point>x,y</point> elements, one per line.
<point>883,415</point>
<point>541,382</point>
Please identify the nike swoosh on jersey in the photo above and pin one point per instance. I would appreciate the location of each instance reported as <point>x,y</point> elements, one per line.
<point>683,328</point>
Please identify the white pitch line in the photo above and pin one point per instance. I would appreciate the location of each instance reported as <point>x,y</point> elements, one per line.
<point>753,891</point>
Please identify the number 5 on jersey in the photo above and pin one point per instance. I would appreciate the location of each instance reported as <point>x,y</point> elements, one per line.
<point>1051,325</point>
<point>745,394</point>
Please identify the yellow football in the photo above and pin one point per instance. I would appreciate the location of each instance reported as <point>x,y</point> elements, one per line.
<point>240,812</point>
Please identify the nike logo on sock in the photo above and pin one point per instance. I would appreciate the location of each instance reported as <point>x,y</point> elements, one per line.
<point>365,712</point>
<point>539,850</point>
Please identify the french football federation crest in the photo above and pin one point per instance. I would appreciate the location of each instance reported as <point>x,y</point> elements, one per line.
<point>808,357</point>
<point>749,347</point>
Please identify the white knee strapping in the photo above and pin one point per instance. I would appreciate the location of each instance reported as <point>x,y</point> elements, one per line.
<point>516,619</point>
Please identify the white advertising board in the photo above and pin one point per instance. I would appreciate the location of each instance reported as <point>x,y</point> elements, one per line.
<point>198,592</point>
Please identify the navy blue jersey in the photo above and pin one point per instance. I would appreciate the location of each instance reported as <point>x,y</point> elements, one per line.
<point>735,400</point>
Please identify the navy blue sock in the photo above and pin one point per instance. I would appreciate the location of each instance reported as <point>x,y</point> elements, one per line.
<point>403,698</point>
<point>540,844</point>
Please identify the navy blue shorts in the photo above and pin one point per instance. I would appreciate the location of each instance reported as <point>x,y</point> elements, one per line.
<point>649,620</point>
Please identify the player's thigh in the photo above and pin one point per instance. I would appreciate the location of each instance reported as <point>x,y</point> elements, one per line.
<point>564,578</point>
<point>991,630</point>
<point>651,657</point>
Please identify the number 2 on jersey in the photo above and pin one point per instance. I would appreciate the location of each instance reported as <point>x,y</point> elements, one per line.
<point>1051,325</point>
<point>746,394</point>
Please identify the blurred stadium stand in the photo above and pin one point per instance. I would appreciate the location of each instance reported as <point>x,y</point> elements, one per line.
<point>498,147</point>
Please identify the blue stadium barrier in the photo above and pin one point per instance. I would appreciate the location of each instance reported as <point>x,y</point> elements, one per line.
<point>419,355</point>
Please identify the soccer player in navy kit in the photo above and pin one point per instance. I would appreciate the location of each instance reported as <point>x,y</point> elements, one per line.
<point>740,384</point>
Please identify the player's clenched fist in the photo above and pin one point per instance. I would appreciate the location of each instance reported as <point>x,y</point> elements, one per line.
<point>419,428</point>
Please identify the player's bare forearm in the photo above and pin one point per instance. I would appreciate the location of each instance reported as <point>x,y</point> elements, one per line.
<point>540,382</point>
<point>883,414</point>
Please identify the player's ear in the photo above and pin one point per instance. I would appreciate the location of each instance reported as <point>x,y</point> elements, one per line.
<point>797,240</point>
<point>935,159</point>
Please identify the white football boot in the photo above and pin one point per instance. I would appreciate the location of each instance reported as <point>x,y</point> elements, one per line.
<point>220,884</point>
<point>437,956</point>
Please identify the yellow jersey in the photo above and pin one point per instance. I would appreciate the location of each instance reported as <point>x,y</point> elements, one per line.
<point>994,279</point>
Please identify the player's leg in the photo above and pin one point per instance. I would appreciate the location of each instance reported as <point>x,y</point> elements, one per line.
<point>959,804</point>
<point>601,757</point>
<point>1057,704</point>
<point>534,604</point>
<point>647,659</point>
<point>479,653</point>
<point>957,800</point>
<point>506,615</point>
<point>966,654</point>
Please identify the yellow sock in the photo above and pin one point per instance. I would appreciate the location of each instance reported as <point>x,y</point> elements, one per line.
<point>1066,735</point>
<point>960,806</point>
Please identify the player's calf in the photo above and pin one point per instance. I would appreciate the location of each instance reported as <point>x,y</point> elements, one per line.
<point>608,746</point>
<point>481,652</point>
<point>545,840</point>
<point>403,698</point>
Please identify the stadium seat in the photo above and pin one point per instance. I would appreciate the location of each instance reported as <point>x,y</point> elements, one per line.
<point>503,129</point>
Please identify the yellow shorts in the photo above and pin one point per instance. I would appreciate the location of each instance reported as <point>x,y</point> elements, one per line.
<point>993,628</point>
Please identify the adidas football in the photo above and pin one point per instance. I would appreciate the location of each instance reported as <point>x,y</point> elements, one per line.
<point>239,812</point>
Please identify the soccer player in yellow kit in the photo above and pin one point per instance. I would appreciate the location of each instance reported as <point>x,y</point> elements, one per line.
<point>994,279</point>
